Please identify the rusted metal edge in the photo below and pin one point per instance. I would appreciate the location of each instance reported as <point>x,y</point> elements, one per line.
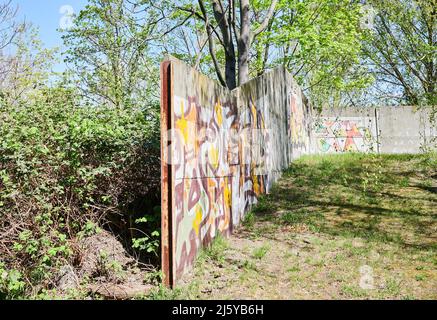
<point>166,177</point>
<point>172,215</point>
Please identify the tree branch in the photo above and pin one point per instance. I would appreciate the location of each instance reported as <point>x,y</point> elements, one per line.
<point>211,44</point>
<point>266,21</point>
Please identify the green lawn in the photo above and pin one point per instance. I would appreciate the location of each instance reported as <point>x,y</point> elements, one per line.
<point>348,226</point>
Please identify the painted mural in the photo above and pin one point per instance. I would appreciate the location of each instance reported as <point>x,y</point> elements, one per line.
<point>299,131</point>
<point>227,149</point>
<point>345,134</point>
<point>217,171</point>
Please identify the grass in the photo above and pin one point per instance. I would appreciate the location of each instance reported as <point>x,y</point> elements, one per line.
<point>357,195</point>
<point>217,249</point>
<point>324,221</point>
<point>260,252</point>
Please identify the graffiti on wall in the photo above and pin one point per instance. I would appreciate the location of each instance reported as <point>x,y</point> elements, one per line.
<point>345,134</point>
<point>298,123</point>
<point>229,147</point>
<point>218,171</point>
<point>224,149</point>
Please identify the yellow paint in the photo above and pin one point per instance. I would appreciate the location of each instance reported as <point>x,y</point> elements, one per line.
<point>182,124</point>
<point>218,111</point>
<point>227,194</point>
<point>255,185</point>
<point>342,133</point>
<point>367,134</point>
<point>197,220</point>
<point>211,184</point>
<point>224,223</point>
<point>214,156</point>
<point>254,114</point>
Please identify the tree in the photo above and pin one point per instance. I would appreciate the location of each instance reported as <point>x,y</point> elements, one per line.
<point>401,51</point>
<point>9,25</point>
<point>25,65</point>
<point>228,23</point>
<point>319,41</point>
<point>108,50</point>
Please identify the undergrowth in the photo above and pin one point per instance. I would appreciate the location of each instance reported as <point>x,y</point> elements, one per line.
<point>64,171</point>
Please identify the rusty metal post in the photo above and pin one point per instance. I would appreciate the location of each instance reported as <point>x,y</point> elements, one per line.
<point>166,177</point>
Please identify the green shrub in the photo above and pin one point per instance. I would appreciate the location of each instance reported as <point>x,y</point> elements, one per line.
<point>64,168</point>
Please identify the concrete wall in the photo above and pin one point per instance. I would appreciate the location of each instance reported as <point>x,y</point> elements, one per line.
<point>400,129</point>
<point>300,121</point>
<point>346,130</point>
<point>203,179</point>
<point>222,149</point>
<point>404,130</point>
<point>227,148</point>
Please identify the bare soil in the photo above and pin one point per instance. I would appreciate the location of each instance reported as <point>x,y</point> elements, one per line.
<point>356,227</point>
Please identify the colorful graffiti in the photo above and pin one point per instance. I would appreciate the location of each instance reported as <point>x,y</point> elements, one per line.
<point>345,134</point>
<point>298,120</point>
<point>227,148</point>
<point>216,179</point>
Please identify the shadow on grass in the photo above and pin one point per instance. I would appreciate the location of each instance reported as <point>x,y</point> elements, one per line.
<point>429,189</point>
<point>346,195</point>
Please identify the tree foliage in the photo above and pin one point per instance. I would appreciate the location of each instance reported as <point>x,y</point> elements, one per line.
<point>109,53</point>
<point>319,41</point>
<point>401,51</point>
<point>67,165</point>
<point>25,63</point>
<point>228,25</point>
<point>62,166</point>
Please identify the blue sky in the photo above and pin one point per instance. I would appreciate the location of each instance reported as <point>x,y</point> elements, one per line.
<point>47,16</point>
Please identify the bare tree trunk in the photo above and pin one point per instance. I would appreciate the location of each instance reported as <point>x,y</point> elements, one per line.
<point>231,70</point>
<point>244,43</point>
<point>229,32</point>
<point>223,17</point>
<point>231,60</point>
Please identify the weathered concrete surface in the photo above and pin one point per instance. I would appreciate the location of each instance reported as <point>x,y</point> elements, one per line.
<point>404,129</point>
<point>201,178</point>
<point>300,121</point>
<point>400,129</point>
<point>227,148</point>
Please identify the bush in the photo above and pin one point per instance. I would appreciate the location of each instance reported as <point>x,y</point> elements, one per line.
<point>63,168</point>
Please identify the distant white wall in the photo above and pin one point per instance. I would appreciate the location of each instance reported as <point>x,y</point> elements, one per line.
<point>383,130</point>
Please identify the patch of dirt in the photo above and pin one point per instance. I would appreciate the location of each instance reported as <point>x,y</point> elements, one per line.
<point>100,248</point>
<point>346,244</point>
<point>105,270</point>
<point>310,266</point>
